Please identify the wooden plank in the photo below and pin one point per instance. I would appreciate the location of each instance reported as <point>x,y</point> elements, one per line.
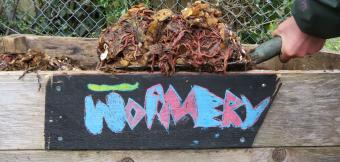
<point>13,44</point>
<point>318,61</point>
<point>81,49</point>
<point>84,50</point>
<point>71,100</point>
<point>305,112</point>
<point>291,154</point>
<point>22,109</point>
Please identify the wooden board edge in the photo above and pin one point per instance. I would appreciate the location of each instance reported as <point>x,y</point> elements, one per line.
<point>182,72</point>
<point>288,154</point>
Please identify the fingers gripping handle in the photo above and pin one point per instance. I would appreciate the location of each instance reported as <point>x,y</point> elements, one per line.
<point>266,50</point>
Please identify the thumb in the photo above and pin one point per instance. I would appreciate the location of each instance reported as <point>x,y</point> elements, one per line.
<point>284,58</point>
<point>276,32</point>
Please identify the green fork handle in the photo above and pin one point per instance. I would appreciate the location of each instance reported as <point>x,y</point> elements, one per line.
<point>266,50</point>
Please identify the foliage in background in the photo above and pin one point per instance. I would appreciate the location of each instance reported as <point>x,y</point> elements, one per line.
<point>54,17</point>
<point>333,45</point>
<point>254,20</point>
<point>83,18</point>
<point>113,9</point>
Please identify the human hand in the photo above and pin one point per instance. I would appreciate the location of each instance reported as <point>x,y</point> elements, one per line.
<point>295,43</point>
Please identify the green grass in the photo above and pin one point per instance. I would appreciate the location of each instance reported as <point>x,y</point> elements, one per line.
<point>333,45</point>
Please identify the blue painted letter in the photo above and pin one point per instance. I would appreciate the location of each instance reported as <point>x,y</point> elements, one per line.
<point>153,96</point>
<point>113,113</point>
<point>252,114</point>
<point>206,103</point>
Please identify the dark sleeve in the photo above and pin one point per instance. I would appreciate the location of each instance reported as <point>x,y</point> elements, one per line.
<point>320,18</point>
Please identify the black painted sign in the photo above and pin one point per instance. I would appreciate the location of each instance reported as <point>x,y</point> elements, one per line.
<point>152,111</point>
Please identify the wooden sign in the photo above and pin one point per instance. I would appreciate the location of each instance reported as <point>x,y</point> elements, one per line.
<point>152,111</point>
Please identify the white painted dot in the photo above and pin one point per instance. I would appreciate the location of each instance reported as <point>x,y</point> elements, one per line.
<point>242,140</point>
<point>60,138</point>
<point>58,88</point>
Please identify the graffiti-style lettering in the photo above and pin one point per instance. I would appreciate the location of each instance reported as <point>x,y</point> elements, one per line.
<point>133,120</point>
<point>113,113</point>
<point>179,109</point>
<point>206,103</point>
<point>153,96</point>
<point>200,104</point>
<point>230,117</point>
<point>253,114</point>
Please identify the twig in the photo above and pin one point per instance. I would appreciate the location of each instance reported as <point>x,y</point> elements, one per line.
<point>39,80</point>
<point>28,70</point>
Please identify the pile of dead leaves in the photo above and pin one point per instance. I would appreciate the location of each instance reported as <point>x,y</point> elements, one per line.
<point>196,37</point>
<point>34,60</point>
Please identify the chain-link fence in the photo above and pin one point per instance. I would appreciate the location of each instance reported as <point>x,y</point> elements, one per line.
<point>254,20</point>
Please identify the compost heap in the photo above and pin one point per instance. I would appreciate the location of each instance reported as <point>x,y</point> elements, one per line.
<point>145,38</point>
<point>35,60</point>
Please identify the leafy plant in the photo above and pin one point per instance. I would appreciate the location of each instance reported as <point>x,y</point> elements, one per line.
<point>333,45</point>
<point>113,9</point>
<point>264,18</point>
